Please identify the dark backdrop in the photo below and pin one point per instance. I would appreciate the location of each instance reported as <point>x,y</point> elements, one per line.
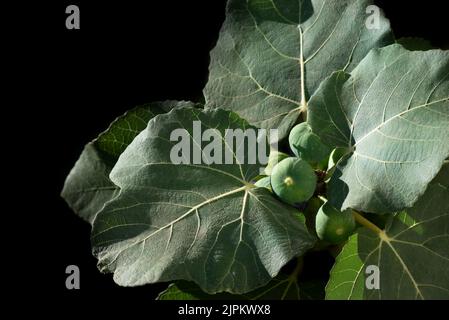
<point>125,54</point>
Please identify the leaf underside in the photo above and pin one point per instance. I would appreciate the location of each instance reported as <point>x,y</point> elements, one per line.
<point>88,187</point>
<point>255,68</point>
<point>392,111</point>
<point>207,227</point>
<point>196,222</point>
<point>413,258</point>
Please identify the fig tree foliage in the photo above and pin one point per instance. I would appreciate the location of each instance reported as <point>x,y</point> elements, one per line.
<point>361,151</point>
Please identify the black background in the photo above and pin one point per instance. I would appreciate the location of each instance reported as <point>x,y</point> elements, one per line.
<point>126,53</point>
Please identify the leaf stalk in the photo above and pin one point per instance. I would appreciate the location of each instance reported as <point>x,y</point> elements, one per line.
<point>366,223</point>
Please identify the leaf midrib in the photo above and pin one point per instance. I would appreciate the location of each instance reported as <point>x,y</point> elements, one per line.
<point>396,116</point>
<point>184,215</point>
<point>301,59</point>
<point>384,122</point>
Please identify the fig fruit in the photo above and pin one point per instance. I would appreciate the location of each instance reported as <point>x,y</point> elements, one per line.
<point>334,226</point>
<point>293,181</point>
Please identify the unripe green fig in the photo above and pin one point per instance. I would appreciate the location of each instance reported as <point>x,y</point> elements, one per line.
<point>332,225</point>
<point>265,182</point>
<point>273,159</point>
<point>307,145</point>
<point>293,181</point>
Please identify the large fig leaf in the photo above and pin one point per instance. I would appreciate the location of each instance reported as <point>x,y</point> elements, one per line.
<point>392,111</point>
<point>280,288</point>
<point>273,54</point>
<point>88,187</point>
<point>411,253</point>
<point>202,223</point>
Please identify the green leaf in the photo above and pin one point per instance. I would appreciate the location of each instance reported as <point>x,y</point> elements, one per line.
<point>184,290</point>
<point>415,44</point>
<point>202,223</point>
<point>412,253</point>
<point>280,288</point>
<point>283,287</point>
<point>272,55</point>
<point>393,113</point>
<point>88,187</point>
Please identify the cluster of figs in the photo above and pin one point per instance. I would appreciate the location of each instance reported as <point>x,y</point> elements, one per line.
<point>300,181</point>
